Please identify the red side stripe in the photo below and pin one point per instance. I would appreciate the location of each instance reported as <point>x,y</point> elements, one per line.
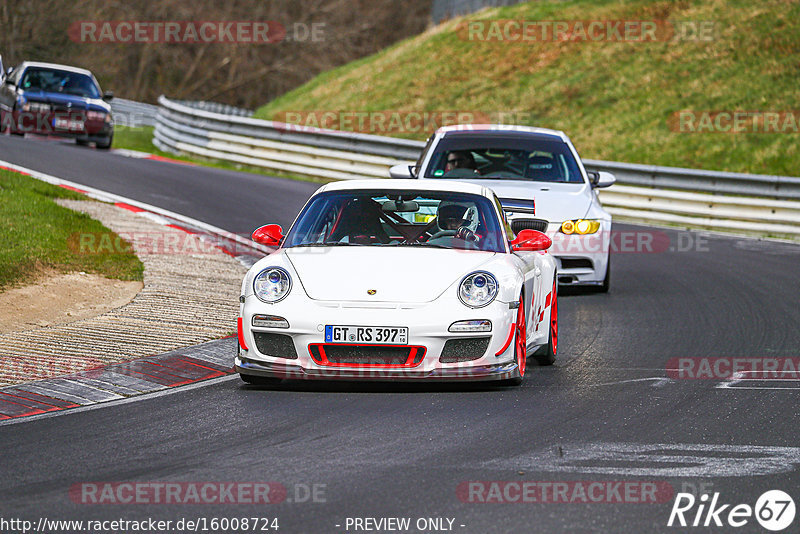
<point>508,341</point>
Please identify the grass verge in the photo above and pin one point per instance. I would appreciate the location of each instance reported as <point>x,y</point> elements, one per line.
<point>37,234</point>
<point>617,100</point>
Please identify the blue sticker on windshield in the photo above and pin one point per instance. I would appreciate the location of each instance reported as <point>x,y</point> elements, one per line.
<point>438,173</point>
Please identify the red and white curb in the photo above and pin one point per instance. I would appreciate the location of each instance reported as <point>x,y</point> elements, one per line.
<point>136,154</point>
<point>118,381</point>
<point>235,245</point>
<point>122,381</point>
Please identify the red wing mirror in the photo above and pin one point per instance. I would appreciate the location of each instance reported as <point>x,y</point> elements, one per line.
<point>270,235</point>
<point>531,241</point>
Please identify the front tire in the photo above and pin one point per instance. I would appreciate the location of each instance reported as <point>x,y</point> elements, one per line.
<point>260,380</point>
<point>105,144</point>
<point>547,354</point>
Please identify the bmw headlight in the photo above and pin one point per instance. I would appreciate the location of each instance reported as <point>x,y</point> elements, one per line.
<point>98,116</point>
<point>580,226</point>
<point>272,284</point>
<point>477,289</point>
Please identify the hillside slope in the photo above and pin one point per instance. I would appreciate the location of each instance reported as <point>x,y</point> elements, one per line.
<point>618,100</point>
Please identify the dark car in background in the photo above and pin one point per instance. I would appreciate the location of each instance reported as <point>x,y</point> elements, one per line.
<point>49,99</point>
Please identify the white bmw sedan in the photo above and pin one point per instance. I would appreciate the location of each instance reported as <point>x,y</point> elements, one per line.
<point>541,182</point>
<point>398,280</point>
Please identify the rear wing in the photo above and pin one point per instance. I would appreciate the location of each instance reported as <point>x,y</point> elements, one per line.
<point>516,205</point>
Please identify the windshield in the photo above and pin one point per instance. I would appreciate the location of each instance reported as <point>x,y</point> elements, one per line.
<point>504,157</point>
<point>407,218</point>
<point>59,81</point>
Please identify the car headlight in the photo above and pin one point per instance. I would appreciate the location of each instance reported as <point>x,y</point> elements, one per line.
<point>98,116</point>
<point>272,284</point>
<point>580,226</point>
<point>477,289</point>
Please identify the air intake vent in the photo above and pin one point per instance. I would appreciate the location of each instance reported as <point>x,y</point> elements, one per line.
<point>275,345</point>
<point>464,349</point>
<point>368,355</point>
<point>529,224</point>
<point>576,263</point>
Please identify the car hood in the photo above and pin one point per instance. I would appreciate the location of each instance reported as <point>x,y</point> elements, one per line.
<point>397,274</point>
<point>80,103</point>
<point>554,202</point>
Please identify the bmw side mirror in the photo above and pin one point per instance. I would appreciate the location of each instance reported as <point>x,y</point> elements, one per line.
<point>601,179</point>
<point>108,96</point>
<point>404,171</point>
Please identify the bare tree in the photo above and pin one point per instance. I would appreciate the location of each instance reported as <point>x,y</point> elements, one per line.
<point>241,74</point>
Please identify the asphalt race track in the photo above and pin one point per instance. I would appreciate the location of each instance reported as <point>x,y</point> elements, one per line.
<point>608,411</point>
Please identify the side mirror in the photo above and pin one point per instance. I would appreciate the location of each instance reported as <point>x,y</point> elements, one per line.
<point>108,96</point>
<point>404,171</point>
<point>270,235</point>
<point>601,179</point>
<point>530,241</point>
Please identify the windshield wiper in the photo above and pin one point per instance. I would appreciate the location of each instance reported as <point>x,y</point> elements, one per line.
<point>424,244</point>
<point>335,244</point>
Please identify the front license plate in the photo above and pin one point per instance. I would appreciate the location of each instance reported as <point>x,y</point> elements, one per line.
<point>380,335</point>
<point>67,124</point>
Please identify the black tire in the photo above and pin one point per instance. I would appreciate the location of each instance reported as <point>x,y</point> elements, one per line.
<point>105,144</point>
<point>260,380</point>
<point>81,142</point>
<point>546,355</point>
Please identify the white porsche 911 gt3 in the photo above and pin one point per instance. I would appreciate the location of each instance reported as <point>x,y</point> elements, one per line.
<point>398,280</point>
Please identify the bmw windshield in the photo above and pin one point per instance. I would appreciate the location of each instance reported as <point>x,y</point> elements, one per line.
<point>407,218</point>
<point>45,80</point>
<point>498,157</point>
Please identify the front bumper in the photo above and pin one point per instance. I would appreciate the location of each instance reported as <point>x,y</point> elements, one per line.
<point>427,327</point>
<point>582,259</point>
<point>77,125</point>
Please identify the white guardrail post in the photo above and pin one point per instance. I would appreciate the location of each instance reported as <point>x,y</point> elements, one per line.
<point>744,203</point>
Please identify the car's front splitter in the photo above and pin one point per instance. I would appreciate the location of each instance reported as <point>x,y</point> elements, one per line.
<point>499,371</point>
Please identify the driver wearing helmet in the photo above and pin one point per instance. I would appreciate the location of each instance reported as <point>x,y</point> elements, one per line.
<point>455,220</point>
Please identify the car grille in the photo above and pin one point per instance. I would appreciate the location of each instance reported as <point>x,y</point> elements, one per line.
<point>464,349</point>
<point>528,224</point>
<point>576,263</point>
<point>367,355</point>
<point>275,345</point>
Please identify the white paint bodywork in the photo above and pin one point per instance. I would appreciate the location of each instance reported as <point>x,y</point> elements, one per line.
<point>555,202</point>
<point>414,287</point>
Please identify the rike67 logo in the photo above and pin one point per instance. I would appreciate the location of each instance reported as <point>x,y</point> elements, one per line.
<point>774,511</point>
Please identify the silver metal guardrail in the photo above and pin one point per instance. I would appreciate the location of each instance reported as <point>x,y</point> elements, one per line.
<point>744,203</point>
<point>133,114</point>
